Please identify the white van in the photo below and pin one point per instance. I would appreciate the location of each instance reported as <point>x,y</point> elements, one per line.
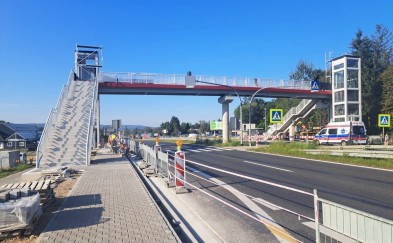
<point>340,133</point>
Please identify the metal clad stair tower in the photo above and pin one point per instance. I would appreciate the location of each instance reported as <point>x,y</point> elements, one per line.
<point>67,138</point>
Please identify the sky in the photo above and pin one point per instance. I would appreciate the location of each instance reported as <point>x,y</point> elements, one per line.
<point>245,38</point>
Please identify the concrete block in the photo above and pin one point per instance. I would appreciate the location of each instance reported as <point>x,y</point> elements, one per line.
<point>4,196</point>
<point>142,165</point>
<point>25,192</point>
<point>15,194</point>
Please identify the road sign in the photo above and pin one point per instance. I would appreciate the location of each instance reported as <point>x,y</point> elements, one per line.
<point>276,116</point>
<point>314,85</point>
<point>215,125</point>
<point>384,120</point>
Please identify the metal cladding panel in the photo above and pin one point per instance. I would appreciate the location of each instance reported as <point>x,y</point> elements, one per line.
<point>326,214</point>
<point>387,233</point>
<point>361,228</point>
<point>369,232</point>
<point>347,223</point>
<point>354,226</point>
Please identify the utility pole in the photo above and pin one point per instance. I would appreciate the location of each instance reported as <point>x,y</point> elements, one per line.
<point>249,114</point>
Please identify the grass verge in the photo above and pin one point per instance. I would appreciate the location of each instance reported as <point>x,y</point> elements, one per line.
<point>297,150</point>
<point>13,170</point>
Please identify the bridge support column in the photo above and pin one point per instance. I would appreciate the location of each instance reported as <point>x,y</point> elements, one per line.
<point>292,132</point>
<point>225,100</point>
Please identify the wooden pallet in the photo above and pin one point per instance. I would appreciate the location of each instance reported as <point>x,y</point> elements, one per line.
<point>43,187</point>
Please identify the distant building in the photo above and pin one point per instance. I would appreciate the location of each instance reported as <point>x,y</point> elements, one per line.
<point>18,136</point>
<point>234,124</point>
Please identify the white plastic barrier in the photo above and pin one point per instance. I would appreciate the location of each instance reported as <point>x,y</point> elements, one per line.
<point>163,161</point>
<point>361,226</point>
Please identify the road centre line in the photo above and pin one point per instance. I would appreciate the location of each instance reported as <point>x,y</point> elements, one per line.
<point>272,167</point>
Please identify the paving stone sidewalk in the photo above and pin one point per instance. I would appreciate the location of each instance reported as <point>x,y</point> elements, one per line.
<point>109,204</point>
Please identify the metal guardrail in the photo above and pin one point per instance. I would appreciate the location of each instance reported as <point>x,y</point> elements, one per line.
<point>347,221</point>
<point>356,224</point>
<point>178,79</point>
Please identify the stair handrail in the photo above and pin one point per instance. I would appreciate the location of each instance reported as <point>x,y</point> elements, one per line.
<point>91,121</point>
<point>292,112</point>
<point>52,117</point>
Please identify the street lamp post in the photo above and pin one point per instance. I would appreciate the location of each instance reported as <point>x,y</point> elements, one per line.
<point>249,115</point>
<point>265,119</point>
<point>241,105</point>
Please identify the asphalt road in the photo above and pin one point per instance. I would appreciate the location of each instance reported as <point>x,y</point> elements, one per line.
<point>364,189</point>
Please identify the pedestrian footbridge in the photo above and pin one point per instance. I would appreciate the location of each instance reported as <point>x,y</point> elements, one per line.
<point>72,128</point>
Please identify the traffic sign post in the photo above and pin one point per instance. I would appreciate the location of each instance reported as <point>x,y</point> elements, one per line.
<point>383,121</point>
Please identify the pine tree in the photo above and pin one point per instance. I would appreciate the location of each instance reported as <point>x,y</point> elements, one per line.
<point>376,55</point>
<point>387,97</point>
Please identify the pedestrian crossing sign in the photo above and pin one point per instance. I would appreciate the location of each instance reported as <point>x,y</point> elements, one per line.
<point>276,116</point>
<point>314,85</point>
<point>384,120</point>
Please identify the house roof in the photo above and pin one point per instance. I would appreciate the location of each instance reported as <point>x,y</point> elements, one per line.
<point>26,131</point>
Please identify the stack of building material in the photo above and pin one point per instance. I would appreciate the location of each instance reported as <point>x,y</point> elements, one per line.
<point>16,190</point>
<point>20,214</point>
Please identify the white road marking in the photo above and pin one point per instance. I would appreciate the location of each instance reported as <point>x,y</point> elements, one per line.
<point>272,167</point>
<point>262,215</point>
<point>204,150</point>
<point>214,149</point>
<point>207,149</point>
<point>265,203</point>
<point>193,150</point>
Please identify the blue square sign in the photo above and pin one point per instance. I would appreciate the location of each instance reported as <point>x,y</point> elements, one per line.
<point>314,85</point>
<point>276,116</point>
<point>384,120</point>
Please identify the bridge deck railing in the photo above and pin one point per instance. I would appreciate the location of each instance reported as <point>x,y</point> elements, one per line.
<point>178,79</point>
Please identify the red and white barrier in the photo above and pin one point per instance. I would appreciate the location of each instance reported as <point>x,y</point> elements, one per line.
<point>180,165</point>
